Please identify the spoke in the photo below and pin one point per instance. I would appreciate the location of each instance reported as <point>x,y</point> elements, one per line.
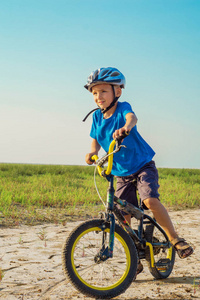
<point>84,251</point>
<point>107,266</point>
<point>86,268</point>
<point>99,280</point>
<point>86,246</point>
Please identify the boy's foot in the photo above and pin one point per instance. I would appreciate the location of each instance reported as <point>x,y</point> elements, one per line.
<point>182,247</point>
<point>139,267</point>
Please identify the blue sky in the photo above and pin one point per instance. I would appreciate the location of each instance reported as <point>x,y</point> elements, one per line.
<point>49,47</point>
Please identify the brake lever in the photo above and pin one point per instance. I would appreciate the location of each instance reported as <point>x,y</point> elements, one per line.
<point>118,148</point>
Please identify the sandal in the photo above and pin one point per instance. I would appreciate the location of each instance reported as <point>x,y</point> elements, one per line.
<point>139,268</point>
<point>182,250</point>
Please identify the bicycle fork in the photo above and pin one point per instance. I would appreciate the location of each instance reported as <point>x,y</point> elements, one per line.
<point>107,252</point>
<point>110,207</point>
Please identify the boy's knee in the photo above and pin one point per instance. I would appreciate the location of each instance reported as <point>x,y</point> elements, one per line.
<point>151,203</point>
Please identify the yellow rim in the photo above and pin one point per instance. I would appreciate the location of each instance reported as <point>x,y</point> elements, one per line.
<point>127,256</point>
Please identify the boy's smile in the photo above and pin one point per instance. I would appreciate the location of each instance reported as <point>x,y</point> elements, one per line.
<point>103,94</point>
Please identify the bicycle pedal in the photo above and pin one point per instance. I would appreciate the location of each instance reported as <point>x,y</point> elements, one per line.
<point>163,264</point>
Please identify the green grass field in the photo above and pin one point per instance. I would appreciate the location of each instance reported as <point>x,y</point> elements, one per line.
<point>32,194</point>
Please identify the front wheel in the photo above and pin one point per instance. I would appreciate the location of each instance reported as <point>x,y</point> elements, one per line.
<point>96,277</point>
<point>162,257</point>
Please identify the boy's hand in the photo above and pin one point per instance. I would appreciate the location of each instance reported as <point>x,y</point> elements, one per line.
<point>95,147</point>
<point>119,132</point>
<point>88,158</point>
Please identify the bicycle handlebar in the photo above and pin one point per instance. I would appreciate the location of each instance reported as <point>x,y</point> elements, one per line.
<point>109,156</point>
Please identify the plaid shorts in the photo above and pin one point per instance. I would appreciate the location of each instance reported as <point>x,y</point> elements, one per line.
<point>146,181</point>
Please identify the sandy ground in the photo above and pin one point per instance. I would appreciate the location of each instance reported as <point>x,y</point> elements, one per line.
<point>30,258</point>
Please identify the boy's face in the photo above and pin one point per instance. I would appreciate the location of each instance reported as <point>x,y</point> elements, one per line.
<point>103,94</point>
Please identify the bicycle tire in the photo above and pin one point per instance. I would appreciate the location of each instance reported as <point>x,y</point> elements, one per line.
<point>164,258</point>
<point>102,280</point>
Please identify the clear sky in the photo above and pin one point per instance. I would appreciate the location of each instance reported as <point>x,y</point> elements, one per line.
<point>49,47</point>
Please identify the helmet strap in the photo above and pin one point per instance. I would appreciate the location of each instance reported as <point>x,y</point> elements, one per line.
<point>112,103</point>
<point>89,114</point>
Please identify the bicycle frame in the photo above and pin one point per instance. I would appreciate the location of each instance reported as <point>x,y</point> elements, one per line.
<point>112,210</point>
<point>139,214</point>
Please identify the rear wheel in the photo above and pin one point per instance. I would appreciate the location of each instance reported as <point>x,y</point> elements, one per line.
<point>84,264</point>
<point>162,261</point>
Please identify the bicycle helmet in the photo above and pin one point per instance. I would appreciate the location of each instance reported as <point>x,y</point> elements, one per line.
<point>108,75</point>
<point>105,75</point>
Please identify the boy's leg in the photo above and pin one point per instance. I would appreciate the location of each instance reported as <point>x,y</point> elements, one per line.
<point>162,217</point>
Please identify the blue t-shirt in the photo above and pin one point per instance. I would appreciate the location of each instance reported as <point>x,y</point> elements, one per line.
<point>137,152</point>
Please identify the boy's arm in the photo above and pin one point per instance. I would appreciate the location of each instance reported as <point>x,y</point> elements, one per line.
<point>95,147</point>
<point>131,121</point>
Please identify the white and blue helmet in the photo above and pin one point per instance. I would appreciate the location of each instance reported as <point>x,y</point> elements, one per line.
<point>105,75</point>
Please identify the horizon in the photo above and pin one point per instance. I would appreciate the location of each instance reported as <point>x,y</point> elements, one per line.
<point>84,165</point>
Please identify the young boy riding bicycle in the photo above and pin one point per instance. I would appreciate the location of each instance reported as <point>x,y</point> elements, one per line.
<point>133,162</point>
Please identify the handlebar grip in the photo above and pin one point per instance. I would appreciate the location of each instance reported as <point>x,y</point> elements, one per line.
<point>93,158</point>
<point>122,136</point>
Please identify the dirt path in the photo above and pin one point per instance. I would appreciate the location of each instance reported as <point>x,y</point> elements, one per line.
<point>30,258</point>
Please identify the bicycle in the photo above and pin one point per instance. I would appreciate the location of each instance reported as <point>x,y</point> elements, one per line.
<point>100,257</point>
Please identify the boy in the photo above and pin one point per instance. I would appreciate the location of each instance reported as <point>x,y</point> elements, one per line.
<point>130,163</point>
